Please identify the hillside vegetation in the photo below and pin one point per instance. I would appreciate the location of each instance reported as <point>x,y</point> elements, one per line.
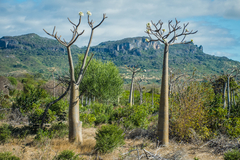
<point>34,54</point>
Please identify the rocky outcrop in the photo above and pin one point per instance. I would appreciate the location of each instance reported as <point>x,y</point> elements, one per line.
<point>126,45</point>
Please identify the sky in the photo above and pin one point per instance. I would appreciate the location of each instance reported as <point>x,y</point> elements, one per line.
<point>217,21</point>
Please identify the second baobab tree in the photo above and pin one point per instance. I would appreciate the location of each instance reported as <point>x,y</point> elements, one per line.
<point>168,37</point>
<point>75,126</point>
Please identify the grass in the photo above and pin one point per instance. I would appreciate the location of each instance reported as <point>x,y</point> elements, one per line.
<point>25,149</point>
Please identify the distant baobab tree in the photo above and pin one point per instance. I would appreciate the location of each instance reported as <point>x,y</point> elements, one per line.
<point>75,126</point>
<point>134,70</point>
<point>167,38</point>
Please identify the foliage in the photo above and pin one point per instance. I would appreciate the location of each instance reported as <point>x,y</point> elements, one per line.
<point>5,133</point>
<point>8,156</point>
<point>42,137</point>
<point>232,126</point>
<point>36,114</point>
<point>34,98</point>
<point>188,113</point>
<point>133,116</point>
<point>25,100</point>
<point>67,155</point>
<point>13,80</point>
<point>232,155</point>
<point>101,80</point>
<point>60,130</point>
<point>5,104</point>
<point>108,138</point>
<point>60,108</point>
<point>97,113</point>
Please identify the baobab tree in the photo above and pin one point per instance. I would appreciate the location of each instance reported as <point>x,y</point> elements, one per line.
<point>167,38</point>
<point>134,70</point>
<point>75,126</point>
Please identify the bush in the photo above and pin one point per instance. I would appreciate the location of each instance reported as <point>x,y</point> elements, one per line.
<point>43,137</point>
<point>232,155</point>
<point>188,112</point>
<point>25,100</point>
<point>67,154</point>
<point>60,108</point>
<point>135,116</point>
<point>108,138</point>
<point>97,113</point>
<point>8,156</point>
<point>13,80</point>
<point>5,133</point>
<point>36,115</point>
<point>60,130</point>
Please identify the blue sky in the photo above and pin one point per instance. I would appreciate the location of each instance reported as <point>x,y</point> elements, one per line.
<point>217,21</point>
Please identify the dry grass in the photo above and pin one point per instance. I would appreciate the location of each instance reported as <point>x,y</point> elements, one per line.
<point>27,151</point>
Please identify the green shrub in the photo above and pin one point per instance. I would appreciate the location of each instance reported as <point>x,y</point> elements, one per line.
<point>135,116</point>
<point>8,156</point>
<point>97,113</point>
<point>60,109</point>
<point>232,155</point>
<point>108,138</point>
<point>36,115</point>
<point>60,130</point>
<point>87,118</point>
<point>43,137</point>
<point>25,100</point>
<point>5,133</point>
<point>67,154</point>
<point>13,80</point>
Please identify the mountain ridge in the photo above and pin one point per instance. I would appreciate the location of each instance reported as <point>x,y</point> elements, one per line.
<point>36,54</point>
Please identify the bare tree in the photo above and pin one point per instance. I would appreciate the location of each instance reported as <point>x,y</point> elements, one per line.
<point>75,126</point>
<point>139,80</point>
<point>134,70</point>
<point>167,38</point>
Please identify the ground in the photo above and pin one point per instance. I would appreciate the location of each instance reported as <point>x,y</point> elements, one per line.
<point>26,150</point>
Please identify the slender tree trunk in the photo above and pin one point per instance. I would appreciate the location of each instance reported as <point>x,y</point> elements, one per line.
<point>53,85</point>
<point>228,96</point>
<point>152,96</point>
<point>82,101</point>
<point>224,95</point>
<point>133,95</point>
<point>163,116</point>
<point>141,94</point>
<point>234,100</point>
<point>75,126</point>
<point>131,90</point>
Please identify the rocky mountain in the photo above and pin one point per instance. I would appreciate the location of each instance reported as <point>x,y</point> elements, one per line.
<point>32,53</point>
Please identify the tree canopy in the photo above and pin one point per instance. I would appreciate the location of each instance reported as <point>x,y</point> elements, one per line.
<point>101,80</point>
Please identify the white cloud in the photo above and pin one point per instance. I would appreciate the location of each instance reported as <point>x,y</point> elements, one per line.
<point>125,18</point>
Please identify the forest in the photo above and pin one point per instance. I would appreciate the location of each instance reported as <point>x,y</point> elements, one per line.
<point>94,111</point>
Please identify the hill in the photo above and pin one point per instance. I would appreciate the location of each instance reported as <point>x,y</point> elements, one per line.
<point>35,54</point>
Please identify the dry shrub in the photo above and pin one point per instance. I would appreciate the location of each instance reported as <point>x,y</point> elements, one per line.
<point>188,113</point>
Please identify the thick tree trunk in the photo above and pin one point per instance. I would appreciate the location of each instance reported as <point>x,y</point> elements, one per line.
<point>75,126</point>
<point>163,116</point>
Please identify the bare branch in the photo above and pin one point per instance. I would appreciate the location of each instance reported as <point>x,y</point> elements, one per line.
<point>172,29</point>
<point>71,22</point>
<point>104,17</point>
<point>51,103</point>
